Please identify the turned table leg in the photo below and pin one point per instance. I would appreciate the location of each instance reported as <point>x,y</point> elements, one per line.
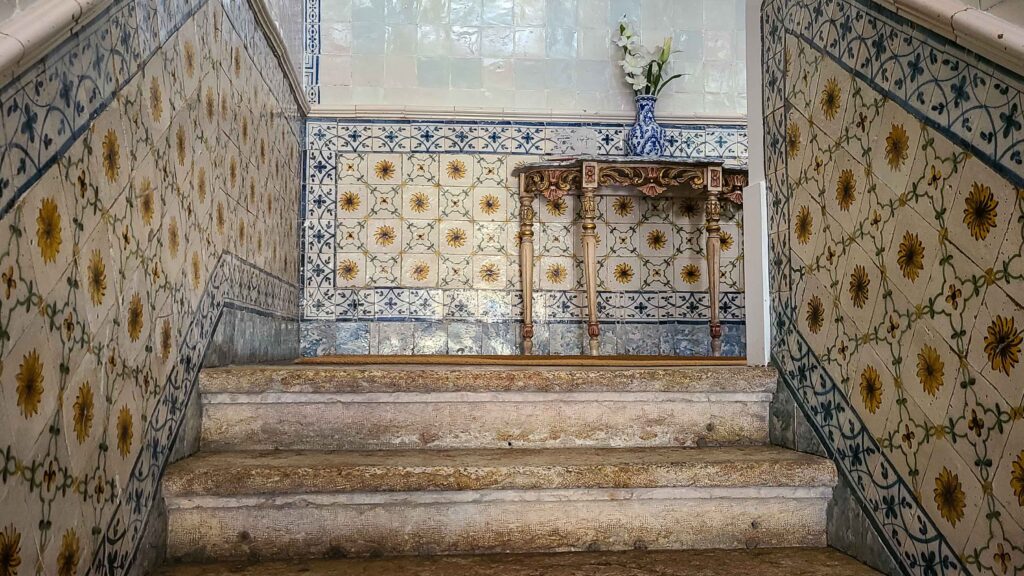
<point>526,215</point>
<point>590,266</point>
<point>712,216</point>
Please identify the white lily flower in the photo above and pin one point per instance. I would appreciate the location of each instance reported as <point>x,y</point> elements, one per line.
<point>631,68</point>
<point>626,27</point>
<point>638,82</point>
<point>639,62</point>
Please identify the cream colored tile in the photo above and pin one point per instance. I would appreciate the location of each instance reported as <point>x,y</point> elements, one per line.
<point>894,144</point>
<point>871,388</point>
<point>980,213</point>
<point>457,169</point>
<point>490,204</point>
<point>350,270</point>
<point>952,494</point>
<point>995,344</point>
<point>384,169</point>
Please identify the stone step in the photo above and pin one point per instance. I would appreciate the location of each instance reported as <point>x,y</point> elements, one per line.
<point>314,472</point>
<point>437,407</point>
<point>760,562</point>
<point>339,379</point>
<point>247,505</point>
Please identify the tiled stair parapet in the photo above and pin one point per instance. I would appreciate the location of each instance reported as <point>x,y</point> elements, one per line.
<point>313,472</point>
<point>445,408</point>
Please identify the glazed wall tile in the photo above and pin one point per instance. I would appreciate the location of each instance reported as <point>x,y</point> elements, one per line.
<point>433,206</point>
<point>895,239</point>
<point>131,221</point>
<point>516,54</point>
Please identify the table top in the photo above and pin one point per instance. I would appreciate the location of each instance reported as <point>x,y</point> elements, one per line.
<point>564,162</point>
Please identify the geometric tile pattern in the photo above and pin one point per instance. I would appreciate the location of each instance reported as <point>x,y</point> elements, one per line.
<point>896,200</point>
<point>311,51</point>
<point>418,221</point>
<point>149,177</point>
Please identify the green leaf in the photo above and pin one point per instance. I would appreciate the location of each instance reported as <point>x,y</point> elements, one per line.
<point>666,82</point>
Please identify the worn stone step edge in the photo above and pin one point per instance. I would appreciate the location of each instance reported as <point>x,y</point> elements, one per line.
<point>760,561</point>
<point>460,425</point>
<point>431,378</point>
<point>568,496</point>
<point>317,472</point>
<point>605,522</point>
<point>476,397</point>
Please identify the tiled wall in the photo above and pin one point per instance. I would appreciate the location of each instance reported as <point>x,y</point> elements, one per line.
<point>519,54</point>
<point>289,17</point>
<point>897,224</point>
<point>410,244</point>
<point>148,181</point>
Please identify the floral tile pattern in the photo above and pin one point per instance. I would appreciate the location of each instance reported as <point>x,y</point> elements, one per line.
<point>406,209</point>
<point>896,189</point>
<point>148,181</point>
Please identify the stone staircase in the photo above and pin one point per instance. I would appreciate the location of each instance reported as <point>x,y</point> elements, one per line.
<point>299,463</point>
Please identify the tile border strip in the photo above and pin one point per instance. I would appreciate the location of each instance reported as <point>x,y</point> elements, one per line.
<point>885,497</point>
<point>340,136</point>
<point>29,35</point>
<point>233,283</point>
<point>833,30</point>
<point>393,304</point>
<point>989,36</point>
<point>311,52</point>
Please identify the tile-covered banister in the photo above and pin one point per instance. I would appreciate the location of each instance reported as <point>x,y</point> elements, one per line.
<point>895,168</point>
<point>972,27</point>
<point>29,34</point>
<point>411,243</point>
<point>45,113</point>
<point>149,179</point>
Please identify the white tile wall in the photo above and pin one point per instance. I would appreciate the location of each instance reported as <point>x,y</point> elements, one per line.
<point>554,55</point>
<point>288,17</point>
<point>9,8</point>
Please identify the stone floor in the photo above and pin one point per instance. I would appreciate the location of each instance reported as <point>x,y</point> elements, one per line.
<point>764,562</point>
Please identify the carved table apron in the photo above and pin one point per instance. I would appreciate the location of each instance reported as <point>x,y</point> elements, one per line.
<point>583,176</point>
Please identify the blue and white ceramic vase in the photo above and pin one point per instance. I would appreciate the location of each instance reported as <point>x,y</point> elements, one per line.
<point>646,137</point>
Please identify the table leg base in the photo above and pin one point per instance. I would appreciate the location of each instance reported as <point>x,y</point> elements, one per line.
<point>594,331</point>
<point>716,339</point>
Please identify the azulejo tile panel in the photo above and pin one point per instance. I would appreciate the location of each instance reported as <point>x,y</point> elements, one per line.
<point>896,232</point>
<point>149,173</point>
<point>418,222</point>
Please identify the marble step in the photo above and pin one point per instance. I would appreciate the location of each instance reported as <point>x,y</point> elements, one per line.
<point>438,407</point>
<point>760,562</point>
<point>267,505</point>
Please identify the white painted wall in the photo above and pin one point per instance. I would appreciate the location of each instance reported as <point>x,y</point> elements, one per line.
<point>755,204</point>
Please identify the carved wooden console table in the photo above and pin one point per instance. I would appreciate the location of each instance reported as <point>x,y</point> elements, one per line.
<point>554,178</point>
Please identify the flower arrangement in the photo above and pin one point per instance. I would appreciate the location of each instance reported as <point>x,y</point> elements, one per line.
<point>645,69</point>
